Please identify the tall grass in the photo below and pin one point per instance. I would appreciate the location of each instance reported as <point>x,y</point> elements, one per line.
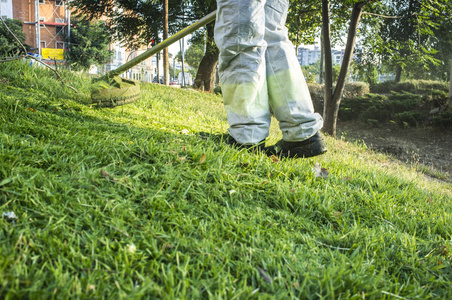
<point>132,202</point>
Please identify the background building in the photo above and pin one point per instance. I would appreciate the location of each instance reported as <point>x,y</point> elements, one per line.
<point>144,71</point>
<point>308,56</point>
<point>45,23</point>
<point>6,9</point>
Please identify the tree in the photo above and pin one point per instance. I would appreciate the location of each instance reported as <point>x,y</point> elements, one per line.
<point>333,97</point>
<point>193,55</point>
<point>134,23</point>
<point>409,37</point>
<point>450,81</point>
<point>400,36</point>
<point>303,21</point>
<point>8,44</point>
<point>88,44</point>
<point>441,40</point>
<point>205,77</point>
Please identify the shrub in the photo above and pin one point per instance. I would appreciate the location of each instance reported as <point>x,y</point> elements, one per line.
<point>375,112</point>
<point>351,90</point>
<point>401,102</point>
<point>411,86</point>
<point>8,44</point>
<point>444,119</point>
<point>217,90</point>
<point>355,89</point>
<point>378,107</point>
<point>353,108</point>
<point>429,85</point>
<point>383,87</point>
<point>435,98</point>
<point>317,92</point>
<point>410,118</point>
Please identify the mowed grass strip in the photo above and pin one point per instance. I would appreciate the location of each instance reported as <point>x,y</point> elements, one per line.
<point>132,202</point>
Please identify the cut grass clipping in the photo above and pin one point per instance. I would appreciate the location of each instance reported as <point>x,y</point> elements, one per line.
<point>132,203</point>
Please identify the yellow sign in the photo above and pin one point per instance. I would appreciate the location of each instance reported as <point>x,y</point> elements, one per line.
<point>49,53</point>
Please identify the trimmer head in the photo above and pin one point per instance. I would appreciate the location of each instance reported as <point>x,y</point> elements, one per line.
<point>110,90</point>
<point>115,91</point>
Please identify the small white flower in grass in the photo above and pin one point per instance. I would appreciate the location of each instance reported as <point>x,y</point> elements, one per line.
<point>232,192</point>
<point>91,287</point>
<point>10,215</point>
<point>185,131</point>
<point>131,248</point>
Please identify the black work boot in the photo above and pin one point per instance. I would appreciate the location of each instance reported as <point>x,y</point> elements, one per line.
<point>313,146</point>
<point>231,141</point>
<point>227,139</point>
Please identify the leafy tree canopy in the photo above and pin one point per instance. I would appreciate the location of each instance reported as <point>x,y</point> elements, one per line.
<point>193,55</point>
<point>8,44</point>
<point>135,23</point>
<point>89,44</point>
<point>410,36</point>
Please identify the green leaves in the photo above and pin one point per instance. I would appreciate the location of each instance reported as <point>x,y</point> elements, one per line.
<point>89,44</point>
<point>8,44</point>
<point>6,181</point>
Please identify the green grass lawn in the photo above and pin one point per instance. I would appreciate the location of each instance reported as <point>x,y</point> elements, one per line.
<point>132,203</point>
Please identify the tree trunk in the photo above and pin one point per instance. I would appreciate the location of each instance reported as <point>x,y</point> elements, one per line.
<point>398,74</point>
<point>205,77</point>
<point>450,83</point>
<point>328,61</point>
<point>322,56</point>
<point>298,37</point>
<point>165,51</point>
<point>331,109</point>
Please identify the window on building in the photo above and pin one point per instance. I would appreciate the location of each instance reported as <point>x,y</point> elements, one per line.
<point>42,19</point>
<point>59,30</point>
<point>59,2</point>
<point>43,44</point>
<point>60,45</point>
<point>42,1</point>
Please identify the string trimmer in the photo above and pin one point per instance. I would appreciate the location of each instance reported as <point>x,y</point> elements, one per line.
<point>111,90</point>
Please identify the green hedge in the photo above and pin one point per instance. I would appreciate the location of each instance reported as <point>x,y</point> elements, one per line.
<point>407,103</point>
<point>411,86</point>
<point>405,108</point>
<point>444,119</point>
<point>351,90</point>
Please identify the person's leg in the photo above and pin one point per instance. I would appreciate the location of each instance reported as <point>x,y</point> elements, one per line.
<point>239,34</point>
<point>288,92</point>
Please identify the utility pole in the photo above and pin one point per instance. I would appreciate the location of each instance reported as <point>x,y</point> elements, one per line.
<point>157,56</point>
<point>183,62</point>
<point>37,28</point>
<point>165,51</point>
<point>68,21</point>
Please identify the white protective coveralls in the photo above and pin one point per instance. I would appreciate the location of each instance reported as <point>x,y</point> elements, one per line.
<point>258,68</point>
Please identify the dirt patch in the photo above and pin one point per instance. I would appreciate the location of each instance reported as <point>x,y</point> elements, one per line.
<point>429,149</point>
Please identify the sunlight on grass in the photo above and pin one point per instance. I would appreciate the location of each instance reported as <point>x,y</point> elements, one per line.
<point>131,202</point>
